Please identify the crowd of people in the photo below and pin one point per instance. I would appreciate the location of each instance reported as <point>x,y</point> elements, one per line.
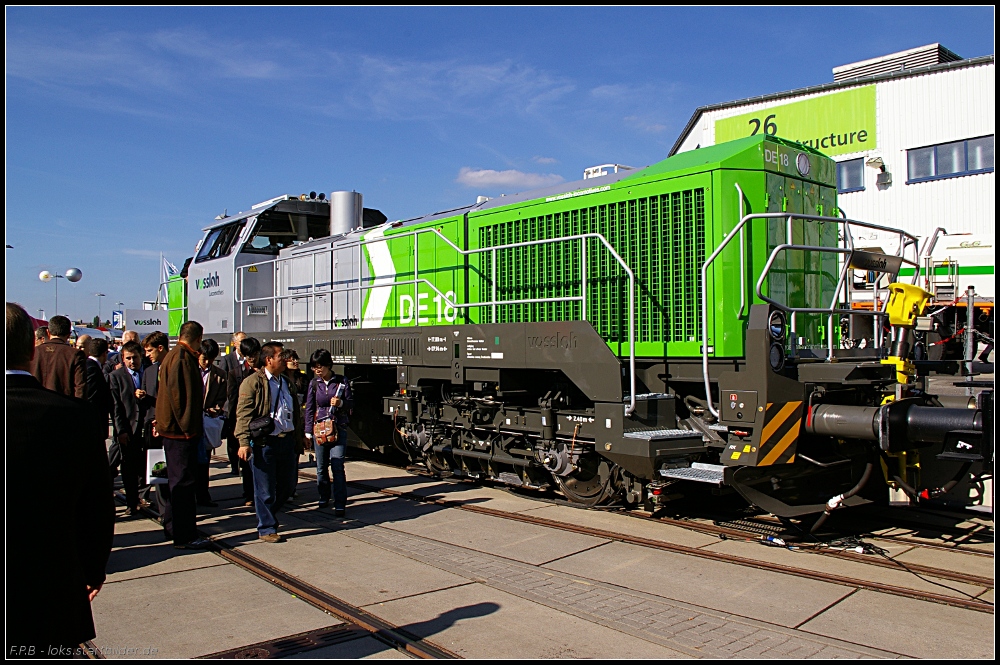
<point>188,400</point>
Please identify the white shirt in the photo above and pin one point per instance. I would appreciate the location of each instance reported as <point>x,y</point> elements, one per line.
<point>18,372</point>
<point>281,404</point>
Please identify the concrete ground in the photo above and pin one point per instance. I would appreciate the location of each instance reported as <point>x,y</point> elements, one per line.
<point>486,587</point>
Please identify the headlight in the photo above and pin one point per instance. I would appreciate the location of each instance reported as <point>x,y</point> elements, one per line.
<point>776,357</point>
<point>802,164</point>
<point>776,326</point>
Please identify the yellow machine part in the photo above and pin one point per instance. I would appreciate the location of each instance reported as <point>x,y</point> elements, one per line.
<point>906,303</point>
<point>905,370</point>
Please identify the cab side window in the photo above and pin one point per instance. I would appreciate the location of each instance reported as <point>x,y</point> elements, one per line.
<point>271,235</point>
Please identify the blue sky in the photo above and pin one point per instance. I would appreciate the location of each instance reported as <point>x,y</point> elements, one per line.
<point>128,130</point>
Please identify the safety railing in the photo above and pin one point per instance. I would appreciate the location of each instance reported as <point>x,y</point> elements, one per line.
<point>184,302</point>
<point>391,282</point>
<point>906,240</point>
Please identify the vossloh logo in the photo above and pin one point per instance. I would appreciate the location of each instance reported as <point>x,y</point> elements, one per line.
<point>146,322</point>
<point>207,282</point>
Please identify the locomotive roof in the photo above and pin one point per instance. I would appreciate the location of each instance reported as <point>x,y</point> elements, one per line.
<point>742,153</point>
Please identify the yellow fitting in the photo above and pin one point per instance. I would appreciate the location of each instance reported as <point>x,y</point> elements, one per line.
<point>905,370</point>
<point>906,303</point>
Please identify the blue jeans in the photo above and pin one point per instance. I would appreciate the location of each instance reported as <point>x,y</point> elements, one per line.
<point>332,457</point>
<point>272,461</point>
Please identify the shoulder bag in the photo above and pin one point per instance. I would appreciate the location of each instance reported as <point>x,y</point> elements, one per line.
<point>264,425</point>
<point>325,431</point>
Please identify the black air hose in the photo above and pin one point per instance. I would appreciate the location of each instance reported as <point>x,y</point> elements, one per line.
<point>835,502</point>
<point>948,486</point>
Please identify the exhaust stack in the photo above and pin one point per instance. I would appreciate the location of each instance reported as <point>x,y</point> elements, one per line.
<point>345,212</point>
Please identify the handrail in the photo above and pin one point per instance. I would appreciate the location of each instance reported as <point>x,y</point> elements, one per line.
<point>905,240</point>
<point>493,302</point>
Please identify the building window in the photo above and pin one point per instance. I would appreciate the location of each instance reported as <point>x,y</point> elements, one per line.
<point>851,176</point>
<point>948,160</point>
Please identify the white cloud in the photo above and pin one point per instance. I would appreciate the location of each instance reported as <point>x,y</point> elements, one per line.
<point>412,89</point>
<point>490,179</point>
<point>544,160</point>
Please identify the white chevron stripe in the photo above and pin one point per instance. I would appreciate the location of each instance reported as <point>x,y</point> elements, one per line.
<point>384,272</point>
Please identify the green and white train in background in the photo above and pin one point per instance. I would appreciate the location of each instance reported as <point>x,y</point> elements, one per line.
<point>632,336</point>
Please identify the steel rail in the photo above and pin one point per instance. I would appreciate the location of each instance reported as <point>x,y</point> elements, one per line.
<point>842,580</point>
<point>954,576</point>
<point>966,603</point>
<point>379,628</point>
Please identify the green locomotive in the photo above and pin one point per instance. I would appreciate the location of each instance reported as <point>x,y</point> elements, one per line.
<point>623,337</point>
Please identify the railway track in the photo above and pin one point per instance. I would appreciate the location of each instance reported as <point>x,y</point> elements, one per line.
<point>359,621</point>
<point>962,602</point>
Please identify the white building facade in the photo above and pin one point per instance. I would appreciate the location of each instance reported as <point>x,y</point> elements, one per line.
<point>912,133</point>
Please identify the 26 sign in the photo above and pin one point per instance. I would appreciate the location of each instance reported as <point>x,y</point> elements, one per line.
<point>770,127</point>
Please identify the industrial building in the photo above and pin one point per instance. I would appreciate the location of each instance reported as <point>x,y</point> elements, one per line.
<point>912,134</point>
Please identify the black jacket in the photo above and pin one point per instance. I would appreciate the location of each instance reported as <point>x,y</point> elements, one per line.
<point>127,418</point>
<point>228,362</point>
<point>62,543</point>
<point>98,393</point>
<point>233,381</point>
<point>150,382</point>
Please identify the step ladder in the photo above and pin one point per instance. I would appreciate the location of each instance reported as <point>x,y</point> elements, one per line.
<point>697,472</point>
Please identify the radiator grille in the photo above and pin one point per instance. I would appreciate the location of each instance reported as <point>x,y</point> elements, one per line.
<point>662,238</point>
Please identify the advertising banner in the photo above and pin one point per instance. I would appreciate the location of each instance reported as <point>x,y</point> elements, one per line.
<point>835,124</point>
<point>145,321</point>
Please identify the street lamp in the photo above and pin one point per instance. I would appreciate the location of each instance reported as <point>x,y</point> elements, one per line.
<point>72,274</point>
<point>99,296</point>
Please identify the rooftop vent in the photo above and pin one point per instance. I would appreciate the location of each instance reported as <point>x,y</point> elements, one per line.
<point>932,54</point>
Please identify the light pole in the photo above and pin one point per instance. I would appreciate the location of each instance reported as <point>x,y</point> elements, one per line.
<point>72,274</point>
<point>99,296</point>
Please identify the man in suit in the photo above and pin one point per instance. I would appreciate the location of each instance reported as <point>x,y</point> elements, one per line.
<point>98,393</point>
<point>180,404</point>
<point>55,567</point>
<point>214,380</point>
<point>57,365</point>
<point>228,363</point>
<point>127,421</point>
<point>115,357</point>
<point>250,351</point>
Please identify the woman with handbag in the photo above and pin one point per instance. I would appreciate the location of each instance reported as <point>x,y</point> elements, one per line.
<point>328,406</point>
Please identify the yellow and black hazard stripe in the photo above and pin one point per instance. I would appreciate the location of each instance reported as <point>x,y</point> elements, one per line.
<point>782,422</point>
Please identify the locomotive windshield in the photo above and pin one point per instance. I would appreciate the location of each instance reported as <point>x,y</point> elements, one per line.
<point>220,242</point>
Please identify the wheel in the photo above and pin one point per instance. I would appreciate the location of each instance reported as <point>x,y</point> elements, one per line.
<point>436,466</point>
<point>589,484</point>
